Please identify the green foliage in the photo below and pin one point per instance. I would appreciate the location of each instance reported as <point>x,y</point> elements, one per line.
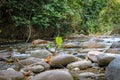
<point>63,16</point>
<point>58,41</point>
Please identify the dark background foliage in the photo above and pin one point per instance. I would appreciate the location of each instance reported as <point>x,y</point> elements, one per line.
<point>49,18</point>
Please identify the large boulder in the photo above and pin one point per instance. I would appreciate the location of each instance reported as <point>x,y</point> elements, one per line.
<point>113,70</point>
<point>80,64</point>
<point>106,58</point>
<point>93,44</point>
<point>11,75</point>
<point>53,75</point>
<point>62,60</point>
<point>40,53</point>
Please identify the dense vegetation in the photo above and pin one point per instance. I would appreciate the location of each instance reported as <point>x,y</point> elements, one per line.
<point>48,18</point>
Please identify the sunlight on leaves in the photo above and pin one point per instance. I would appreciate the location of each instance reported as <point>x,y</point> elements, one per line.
<point>58,41</point>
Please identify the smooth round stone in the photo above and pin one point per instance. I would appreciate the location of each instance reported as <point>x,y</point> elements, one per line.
<point>106,58</point>
<point>11,75</point>
<point>80,64</point>
<point>53,75</point>
<point>93,44</point>
<point>62,60</point>
<point>34,68</point>
<point>28,61</point>
<point>40,53</point>
<point>92,55</point>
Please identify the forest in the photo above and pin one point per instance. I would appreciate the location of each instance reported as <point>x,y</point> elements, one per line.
<point>31,19</point>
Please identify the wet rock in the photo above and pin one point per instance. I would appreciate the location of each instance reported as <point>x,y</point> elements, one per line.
<point>106,58</point>
<point>115,45</point>
<point>93,44</point>
<point>29,61</point>
<point>53,75</point>
<point>4,55</point>
<point>33,68</point>
<point>80,64</point>
<point>11,75</point>
<point>44,64</point>
<point>91,76</point>
<point>72,45</point>
<point>20,56</point>
<point>113,70</point>
<point>91,49</point>
<point>81,55</point>
<point>4,66</point>
<point>92,55</point>
<point>62,60</point>
<point>39,42</point>
<point>113,50</point>
<point>87,75</point>
<point>100,76</point>
<point>36,67</point>
<point>40,53</point>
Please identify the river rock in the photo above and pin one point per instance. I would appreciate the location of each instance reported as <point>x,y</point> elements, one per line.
<point>91,76</point>
<point>115,45</point>
<point>33,68</point>
<point>113,50</point>
<point>86,50</point>
<point>81,55</point>
<point>106,58</point>
<point>72,45</point>
<point>87,75</point>
<point>29,61</point>
<point>39,42</point>
<point>11,75</point>
<point>80,64</point>
<point>62,60</point>
<point>93,44</point>
<point>53,75</point>
<point>113,70</point>
<point>92,55</point>
<point>40,53</point>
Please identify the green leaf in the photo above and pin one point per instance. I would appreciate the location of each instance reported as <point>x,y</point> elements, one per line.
<point>58,41</point>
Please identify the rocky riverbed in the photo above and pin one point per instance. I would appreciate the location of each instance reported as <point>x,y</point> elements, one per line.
<point>79,58</point>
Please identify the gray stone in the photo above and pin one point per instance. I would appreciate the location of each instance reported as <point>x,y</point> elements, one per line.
<point>92,55</point>
<point>115,45</point>
<point>87,75</point>
<point>11,75</point>
<point>93,44</point>
<point>30,61</point>
<point>91,76</point>
<point>72,45</point>
<point>81,55</point>
<point>44,64</point>
<point>34,68</point>
<point>106,58</point>
<point>80,64</point>
<point>113,70</point>
<point>40,53</point>
<point>113,50</point>
<point>53,75</point>
<point>62,60</point>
